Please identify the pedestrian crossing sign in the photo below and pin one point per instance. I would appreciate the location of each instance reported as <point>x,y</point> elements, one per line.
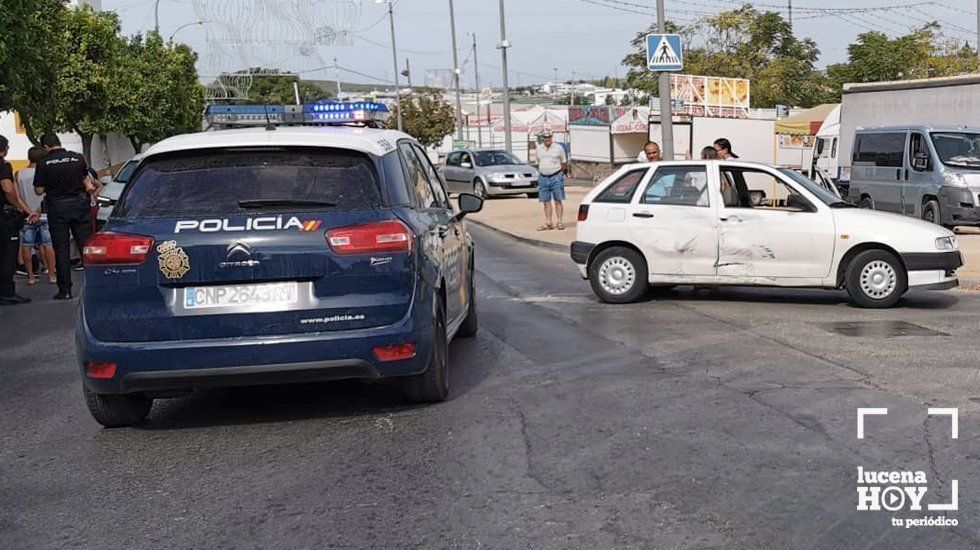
<point>664,52</point>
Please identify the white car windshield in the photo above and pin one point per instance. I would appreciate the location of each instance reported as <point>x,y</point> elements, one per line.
<point>959,149</point>
<point>814,188</point>
<point>495,158</point>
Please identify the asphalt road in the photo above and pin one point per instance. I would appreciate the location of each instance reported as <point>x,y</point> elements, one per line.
<point>697,419</point>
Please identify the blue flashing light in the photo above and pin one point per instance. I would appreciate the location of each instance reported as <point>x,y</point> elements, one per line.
<point>345,113</point>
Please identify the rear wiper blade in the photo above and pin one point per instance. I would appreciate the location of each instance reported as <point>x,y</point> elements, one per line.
<point>282,203</point>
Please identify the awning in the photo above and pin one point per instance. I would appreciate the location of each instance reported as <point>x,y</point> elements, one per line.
<point>805,123</point>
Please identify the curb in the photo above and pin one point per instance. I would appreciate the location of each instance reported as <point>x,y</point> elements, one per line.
<point>554,247</point>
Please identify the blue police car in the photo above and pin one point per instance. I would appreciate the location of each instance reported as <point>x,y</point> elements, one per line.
<point>276,254</point>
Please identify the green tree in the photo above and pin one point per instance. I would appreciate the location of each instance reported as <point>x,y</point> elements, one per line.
<point>742,43</point>
<point>923,53</point>
<point>92,46</point>
<point>30,54</point>
<point>426,116</point>
<point>155,93</point>
<point>276,88</point>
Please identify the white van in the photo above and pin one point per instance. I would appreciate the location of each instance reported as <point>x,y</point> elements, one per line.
<point>826,145</point>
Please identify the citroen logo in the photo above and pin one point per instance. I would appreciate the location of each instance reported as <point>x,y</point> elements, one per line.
<point>239,254</point>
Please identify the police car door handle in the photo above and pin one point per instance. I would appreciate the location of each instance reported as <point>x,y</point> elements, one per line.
<point>642,215</point>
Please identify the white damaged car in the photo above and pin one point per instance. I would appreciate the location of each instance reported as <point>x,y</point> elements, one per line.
<point>745,223</point>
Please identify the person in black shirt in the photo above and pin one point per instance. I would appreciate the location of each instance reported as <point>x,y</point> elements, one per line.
<point>13,213</point>
<point>63,177</point>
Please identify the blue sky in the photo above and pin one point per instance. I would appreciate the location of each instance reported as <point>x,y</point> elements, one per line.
<point>589,37</point>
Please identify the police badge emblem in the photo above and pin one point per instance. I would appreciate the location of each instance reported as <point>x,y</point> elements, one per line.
<point>174,262</point>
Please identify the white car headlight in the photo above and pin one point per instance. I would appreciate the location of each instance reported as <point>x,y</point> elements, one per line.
<point>946,243</point>
<point>495,176</point>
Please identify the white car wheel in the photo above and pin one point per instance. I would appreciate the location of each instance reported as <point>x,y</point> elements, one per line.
<point>878,279</point>
<point>617,275</point>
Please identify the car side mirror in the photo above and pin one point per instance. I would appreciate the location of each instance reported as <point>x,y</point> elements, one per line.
<point>920,162</point>
<point>799,202</point>
<point>465,165</point>
<point>468,204</point>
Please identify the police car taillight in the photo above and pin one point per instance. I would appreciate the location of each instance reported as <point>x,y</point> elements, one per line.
<point>371,238</point>
<point>109,248</point>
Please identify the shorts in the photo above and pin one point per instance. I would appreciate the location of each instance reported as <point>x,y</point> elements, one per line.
<point>551,187</point>
<point>35,235</point>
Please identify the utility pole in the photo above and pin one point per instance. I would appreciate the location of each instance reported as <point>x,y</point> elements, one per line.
<point>476,81</point>
<point>336,68</point>
<point>459,104</point>
<point>502,46</point>
<point>666,114</point>
<point>407,73</point>
<point>790,9</point>
<point>394,60</point>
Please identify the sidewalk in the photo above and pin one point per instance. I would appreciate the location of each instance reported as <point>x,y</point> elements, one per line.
<point>520,217</point>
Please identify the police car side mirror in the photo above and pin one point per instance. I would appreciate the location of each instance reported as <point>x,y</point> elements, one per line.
<point>465,165</point>
<point>468,204</point>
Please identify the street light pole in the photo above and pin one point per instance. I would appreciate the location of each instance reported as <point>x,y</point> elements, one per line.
<point>459,105</point>
<point>184,26</point>
<point>156,16</point>
<point>666,115</point>
<point>394,58</point>
<point>502,46</point>
<point>476,79</point>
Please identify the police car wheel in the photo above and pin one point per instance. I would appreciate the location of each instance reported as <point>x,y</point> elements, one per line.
<point>471,325</point>
<point>117,411</point>
<point>618,275</point>
<point>432,385</point>
<point>875,279</point>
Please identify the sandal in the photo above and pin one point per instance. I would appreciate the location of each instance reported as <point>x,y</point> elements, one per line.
<point>547,227</point>
<point>561,227</point>
<point>32,281</point>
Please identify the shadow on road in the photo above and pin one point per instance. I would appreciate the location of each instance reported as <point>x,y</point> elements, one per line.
<point>912,300</point>
<point>324,400</point>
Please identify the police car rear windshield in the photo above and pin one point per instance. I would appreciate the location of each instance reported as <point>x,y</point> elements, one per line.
<point>232,181</point>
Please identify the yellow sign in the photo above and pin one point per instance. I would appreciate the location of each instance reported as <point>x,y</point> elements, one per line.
<point>19,124</point>
<point>174,262</point>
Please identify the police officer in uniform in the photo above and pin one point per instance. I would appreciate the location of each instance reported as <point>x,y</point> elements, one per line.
<point>13,213</point>
<point>63,177</point>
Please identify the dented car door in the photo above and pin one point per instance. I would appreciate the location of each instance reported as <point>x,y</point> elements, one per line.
<point>788,235</point>
<point>674,221</point>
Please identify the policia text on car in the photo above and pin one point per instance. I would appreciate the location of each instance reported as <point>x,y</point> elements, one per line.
<point>62,176</point>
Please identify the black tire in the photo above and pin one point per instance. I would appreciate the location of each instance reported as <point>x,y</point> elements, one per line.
<point>884,279</point>
<point>931,212</point>
<point>480,189</point>
<point>618,275</point>
<point>117,410</point>
<point>471,325</point>
<point>533,195</point>
<point>432,386</point>
<point>867,203</point>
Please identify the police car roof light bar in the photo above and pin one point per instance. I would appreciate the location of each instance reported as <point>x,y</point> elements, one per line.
<point>357,113</point>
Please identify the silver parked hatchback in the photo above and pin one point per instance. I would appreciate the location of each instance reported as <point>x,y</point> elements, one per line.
<point>488,173</point>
